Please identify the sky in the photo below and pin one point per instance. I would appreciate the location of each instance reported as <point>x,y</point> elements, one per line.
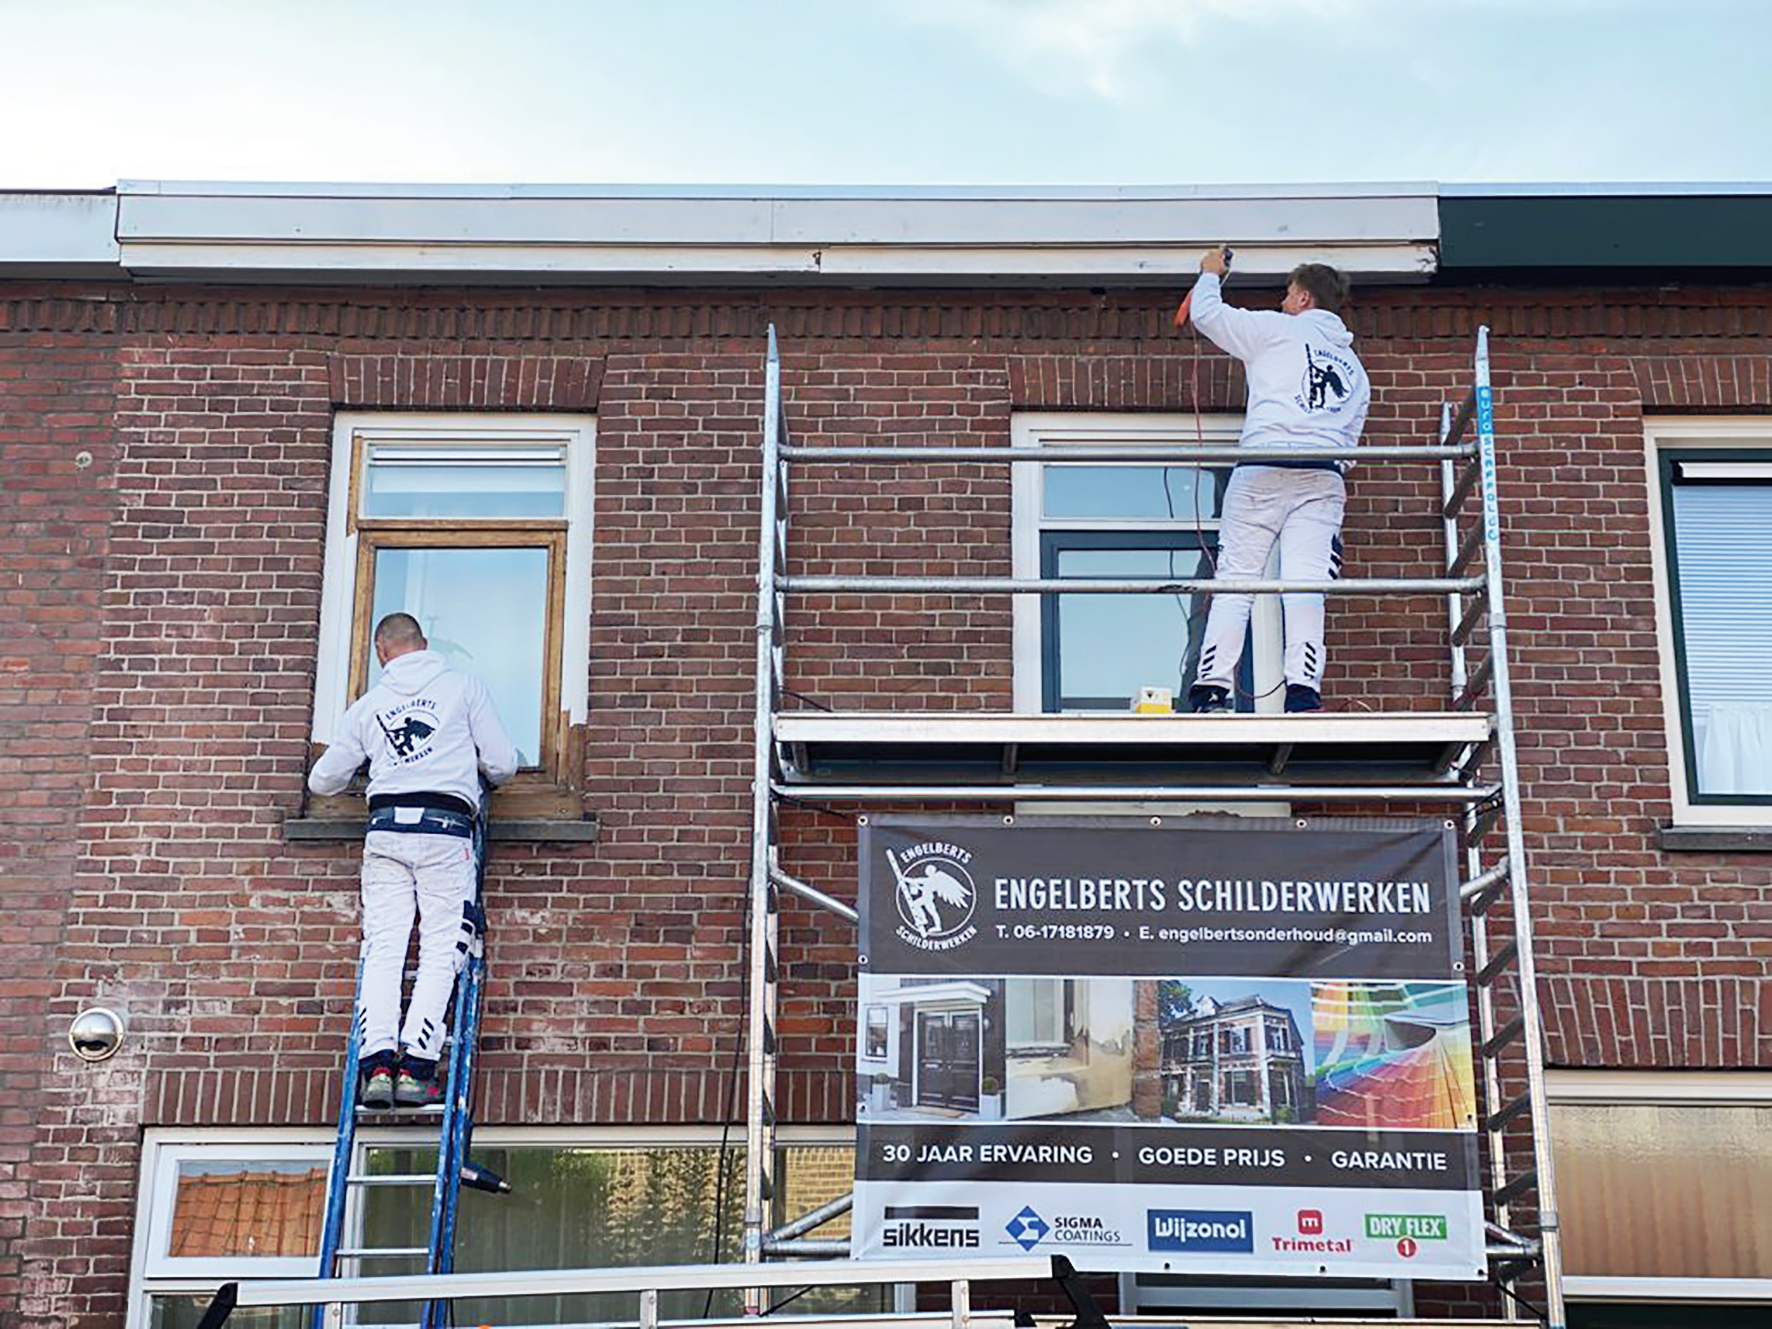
<point>885,92</point>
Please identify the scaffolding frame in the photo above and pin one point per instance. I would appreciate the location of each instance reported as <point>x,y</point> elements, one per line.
<point>1515,1121</point>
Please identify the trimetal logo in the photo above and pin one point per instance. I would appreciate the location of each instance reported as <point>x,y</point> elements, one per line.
<point>1420,1227</point>
<point>930,1227</point>
<point>1310,1222</point>
<point>1201,1231</point>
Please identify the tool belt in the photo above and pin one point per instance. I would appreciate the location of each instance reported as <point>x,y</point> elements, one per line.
<point>421,814</point>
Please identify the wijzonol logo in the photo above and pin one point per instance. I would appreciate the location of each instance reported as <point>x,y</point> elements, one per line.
<point>1202,1231</point>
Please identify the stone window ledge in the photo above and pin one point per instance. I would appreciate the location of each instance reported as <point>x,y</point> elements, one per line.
<point>1716,839</point>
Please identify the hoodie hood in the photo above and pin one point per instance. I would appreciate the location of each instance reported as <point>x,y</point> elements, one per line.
<point>406,674</point>
<point>1327,326</point>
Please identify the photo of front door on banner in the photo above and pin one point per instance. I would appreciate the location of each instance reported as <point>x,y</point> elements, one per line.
<point>1229,1046</point>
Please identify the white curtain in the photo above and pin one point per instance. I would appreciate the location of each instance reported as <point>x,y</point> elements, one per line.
<point>1735,750</point>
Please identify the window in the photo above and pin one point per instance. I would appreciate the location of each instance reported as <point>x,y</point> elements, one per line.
<point>1036,1012</point>
<point>1664,1179</point>
<point>583,1198</point>
<point>479,527</point>
<point>236,1205</point>
<point>1121,521</point>
<point>876,1033</point>
<point>1713,479</point>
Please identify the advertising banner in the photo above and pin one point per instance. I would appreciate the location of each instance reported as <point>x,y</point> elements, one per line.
<point>1227,1046</point>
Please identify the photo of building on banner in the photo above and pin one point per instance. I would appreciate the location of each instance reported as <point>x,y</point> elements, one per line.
<point>1242,1082</point>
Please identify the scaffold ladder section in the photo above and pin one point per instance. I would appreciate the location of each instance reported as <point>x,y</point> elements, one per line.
<point>453,1119</point>
<point>1515,1127</point>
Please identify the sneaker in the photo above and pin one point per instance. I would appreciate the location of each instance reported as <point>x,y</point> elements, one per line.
<point>377,1088</point>
<point>1300,698</point>
<point>412,1091</point>
<point>1204,699</point>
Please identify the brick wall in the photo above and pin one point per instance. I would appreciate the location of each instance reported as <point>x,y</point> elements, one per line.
<point>56,464</point>
<point>162,606</point>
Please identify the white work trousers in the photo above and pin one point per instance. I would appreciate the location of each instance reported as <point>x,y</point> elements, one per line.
<point>404,871</point>
<point>1302,510</point>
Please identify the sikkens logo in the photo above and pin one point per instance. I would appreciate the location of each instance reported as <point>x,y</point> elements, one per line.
<point>930,1227</point>
<point>1202,1231</point>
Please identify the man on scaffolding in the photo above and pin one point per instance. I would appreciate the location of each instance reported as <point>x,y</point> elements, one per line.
<point>1307,389</point>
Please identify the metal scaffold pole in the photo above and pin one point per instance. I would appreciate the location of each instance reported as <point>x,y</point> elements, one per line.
<point>762,918</point>
<point>1532,1030</point>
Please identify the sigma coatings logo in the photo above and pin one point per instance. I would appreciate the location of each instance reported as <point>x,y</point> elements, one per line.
<point>935,895</point>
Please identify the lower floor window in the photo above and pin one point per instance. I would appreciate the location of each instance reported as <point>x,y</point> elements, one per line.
<point>596,1204</point>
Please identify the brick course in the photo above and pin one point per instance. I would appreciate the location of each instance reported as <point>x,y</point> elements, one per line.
<point>159,607</point>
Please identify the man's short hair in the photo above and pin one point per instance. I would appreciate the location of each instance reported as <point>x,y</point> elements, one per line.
<point>1325,285</point>
<point>399,630</point>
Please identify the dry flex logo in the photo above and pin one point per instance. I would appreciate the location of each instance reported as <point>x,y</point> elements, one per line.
<point>1407,1230</point>
<point>935,895</point>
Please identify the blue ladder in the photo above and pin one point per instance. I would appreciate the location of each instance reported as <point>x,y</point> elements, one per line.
<point>454,1116</point>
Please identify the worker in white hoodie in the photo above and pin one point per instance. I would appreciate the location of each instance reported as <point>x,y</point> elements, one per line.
<point>428,733</point>
<point>1307,389</point>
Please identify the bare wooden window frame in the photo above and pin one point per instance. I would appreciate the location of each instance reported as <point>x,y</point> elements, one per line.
<point>553,786</point>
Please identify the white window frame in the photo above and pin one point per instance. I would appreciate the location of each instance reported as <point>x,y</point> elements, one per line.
<point>1033,429</point>
<point>1044,992</point>
<point>1749,433</point>
<point>164,1147</point>
<point>1661,1089</point>
<point>338,590</point>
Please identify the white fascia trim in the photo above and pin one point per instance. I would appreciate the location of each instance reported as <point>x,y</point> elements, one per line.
<point>1693,431</point>
<point>58,234</point>
<point>1604,1287</point>
<point>171,230</point>
<point>332,673</point>
<point>1681,1088</point>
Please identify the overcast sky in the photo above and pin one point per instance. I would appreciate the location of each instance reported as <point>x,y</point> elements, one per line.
<point>885,92</point>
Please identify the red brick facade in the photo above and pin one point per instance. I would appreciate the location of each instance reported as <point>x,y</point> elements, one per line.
<point>166,464</point>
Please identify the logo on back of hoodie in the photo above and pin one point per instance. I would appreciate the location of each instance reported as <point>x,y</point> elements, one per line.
<point>1328,381</point>
<point>408,728</point>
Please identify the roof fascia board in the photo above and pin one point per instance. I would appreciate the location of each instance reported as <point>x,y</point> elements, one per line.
<point>45,234</point>
<point>568,236</point>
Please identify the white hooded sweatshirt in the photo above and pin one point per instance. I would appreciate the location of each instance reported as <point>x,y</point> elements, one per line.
<point>425,728</point>
<point>1307,388</point>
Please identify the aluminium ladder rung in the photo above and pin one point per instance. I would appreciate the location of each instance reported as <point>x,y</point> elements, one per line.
<point>1467,550</point>
<point>1474,615</point>
<point>391,1179</point>
<point>1514,1189</point>
<point>1462,419</point>
<point>1504,1035</point>
<point>1480,892</point>
<point>399,1110</point>
<point>1475,685</point>
<point>1502,1116</point>
<point>1496,963</point>
<point>1484,822</point>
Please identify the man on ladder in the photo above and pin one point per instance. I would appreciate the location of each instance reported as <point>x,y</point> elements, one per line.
<point>1307,389</point>
<point>428,732</point>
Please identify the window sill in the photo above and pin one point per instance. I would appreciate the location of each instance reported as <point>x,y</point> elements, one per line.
<point>1715,839</point>
<point>528,830</point>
